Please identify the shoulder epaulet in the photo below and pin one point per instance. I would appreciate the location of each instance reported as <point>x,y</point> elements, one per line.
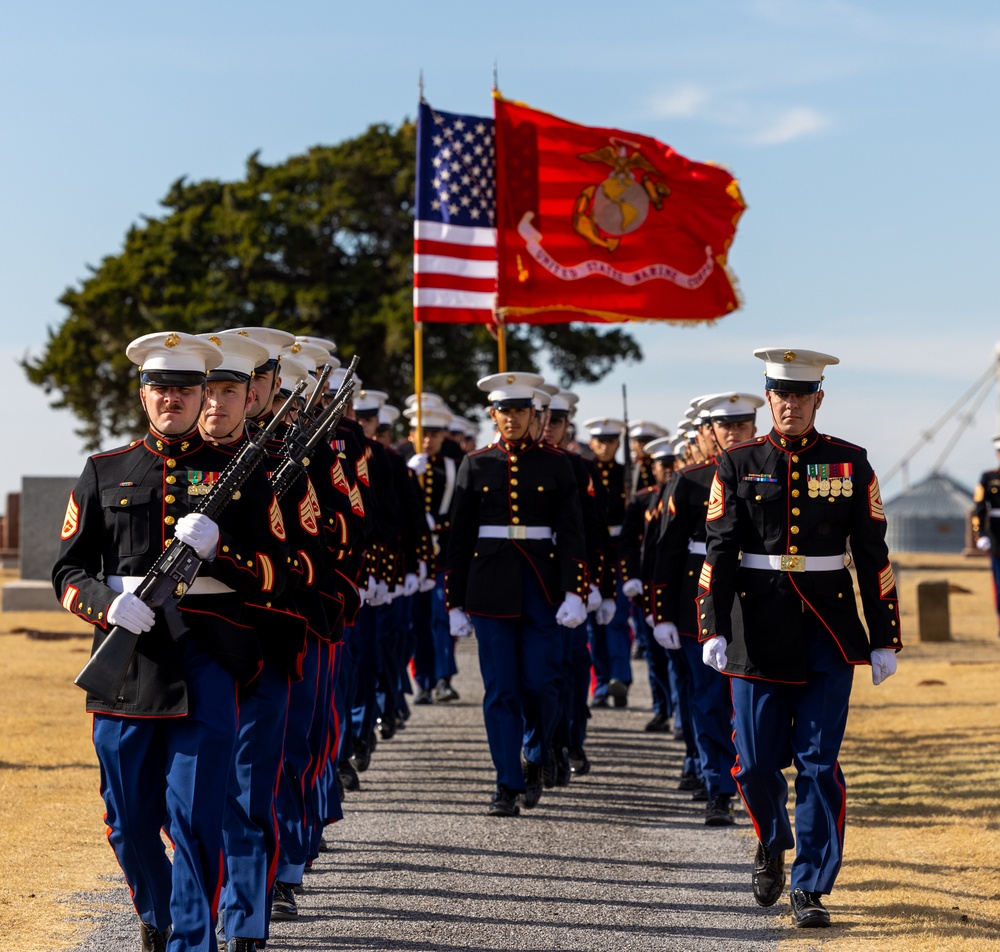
<point>119,450</point>
<point>839,442</point>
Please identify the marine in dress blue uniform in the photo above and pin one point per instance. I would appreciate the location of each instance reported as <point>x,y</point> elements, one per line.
<point>986,522</point>
<point>517,564</point>
<point>165,745</point>
<point>782,510</point>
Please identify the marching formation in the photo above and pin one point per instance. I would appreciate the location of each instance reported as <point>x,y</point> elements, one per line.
<point>274,582</point>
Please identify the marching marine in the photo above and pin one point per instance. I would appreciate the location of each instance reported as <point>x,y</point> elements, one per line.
<point>986,521</point>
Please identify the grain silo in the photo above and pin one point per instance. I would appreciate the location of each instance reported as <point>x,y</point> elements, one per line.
<point>929,517</point>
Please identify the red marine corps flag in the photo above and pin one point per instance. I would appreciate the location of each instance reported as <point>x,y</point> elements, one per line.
<point>602,225</point>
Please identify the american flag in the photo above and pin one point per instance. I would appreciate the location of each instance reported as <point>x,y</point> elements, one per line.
<point>454,235</point>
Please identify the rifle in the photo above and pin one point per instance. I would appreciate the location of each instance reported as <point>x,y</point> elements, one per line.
<point>166,583</point>
<point>305,433</point>
<point>629,488</point>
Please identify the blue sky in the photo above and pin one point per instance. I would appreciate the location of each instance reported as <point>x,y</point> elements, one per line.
<point>864,136</point>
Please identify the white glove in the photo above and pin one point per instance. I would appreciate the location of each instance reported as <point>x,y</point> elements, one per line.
<point>593,598</point>
<point>431,521</point>
<point>666,635</point>
<point>429,584</point>
<point>983,544</point>
<point>459,623</point>
<point>572,612</point>
<point>368,592</point>
<point>132,613</point>
<point>421,571</point>
<point>605,612</point>
<point>650,620</point>
<point>411,583</point>
<point>199,532</point>
<point>713,653</point>
<point>418,463</point>
<point>883,664</point>
<point>632,587</point>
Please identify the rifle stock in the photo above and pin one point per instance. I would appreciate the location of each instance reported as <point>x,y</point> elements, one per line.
<point>172,573</point>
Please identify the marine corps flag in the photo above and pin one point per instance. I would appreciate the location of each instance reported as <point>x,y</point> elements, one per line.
<point>602,225</point>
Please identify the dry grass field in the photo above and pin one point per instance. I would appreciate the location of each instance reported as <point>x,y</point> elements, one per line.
<point>922,760</point>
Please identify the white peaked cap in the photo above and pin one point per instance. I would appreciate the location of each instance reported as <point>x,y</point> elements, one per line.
<point>387,414</point>
<point>541,399</point>
<point>680,444</point>
<point>604,426</point>
<point>800,370</point>
<point>427,400</point>
<point>335,379</point>
<point>370,401</point>
<point>328,345</point>
<point>732,406</point>
<point>660,448</point>
<point>515,385</point>
<point>643,429</point>
<point>271,337</point>
<point>436,418</point>
<point>292,371</point>
<point>312,355</point>
<point>174,351</point>
<point>240,355</point>
<point>563,400</point>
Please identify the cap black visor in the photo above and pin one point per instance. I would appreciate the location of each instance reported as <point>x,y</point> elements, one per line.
<point>792,386</point>
<point>172,378</point>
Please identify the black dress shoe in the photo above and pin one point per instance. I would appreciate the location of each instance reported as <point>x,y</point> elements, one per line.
<point>549,772</point>
<point>601,701</point>
<point>808,911</point>
<point>563,770</point>
<point>386,727</point>
<point>242,945</point>
<point>579,763</point>
<point>153,939</point>
<point>348,776</point>
<point>618,692</point>
<point>689,781</point>
<point>700,792</point>
<point>660,722</point>
<point>719,811</point>
<point>423,696</point>
<point>504,803</point>
<point>768,875</point>
<point>443,692</point>
<point>283,904</point>
<point>532,783</point>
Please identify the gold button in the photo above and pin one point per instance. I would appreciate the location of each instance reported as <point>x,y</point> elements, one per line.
<point>894,640</point>
<point>268,604</point>
<point>170,520</point>
<point>171,479</point>
<point>239,558</point>
<point>704,631</point>
<point>840,594</point>
<point>701,601</point>
<point>514,508</point>
<point>796,493</point>
<point>794,530</point>
<point>703,615</point>
<point>893,622</point>
<point>784,442</point>
<point>249,563</point>
<point>168,498</point>
<point>513,458</point>
<point>795,475</point>
<point>795,459</point>
<point>123,502</point>
<point>796,511</point>
<point>743,594</point>
<point>793,549</point>
<point>889,605</point>
<point>515,520</point>
<point>100,615</point>
<point>691,573</point>
<point>513,469</point>
<point>541,489</point>
<point>225,548</point>
<point>80,606</point>
<point>755,497</point>
<point>513,495</point>
<point>832,498</point>
<point>171,463</point>
<point>513,482</point>
<point>295,562</point>
<point>90,611</point>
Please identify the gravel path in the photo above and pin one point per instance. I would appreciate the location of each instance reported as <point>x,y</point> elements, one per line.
<point>619,860</point>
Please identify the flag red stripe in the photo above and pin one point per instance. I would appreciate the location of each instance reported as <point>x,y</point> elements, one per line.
<point>423,246</point>
<point>454,282</point>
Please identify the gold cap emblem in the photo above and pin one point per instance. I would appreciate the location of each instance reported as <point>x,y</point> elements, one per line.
<point>243,333</point>
<point>734,398</point>
<point>510,378</point>
<point>295,348</point>
<point>789,356</point>
<point>216,340</point>
<point>172,340</point>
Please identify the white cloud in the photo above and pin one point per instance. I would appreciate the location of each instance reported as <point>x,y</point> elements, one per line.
<point>792,123</point>
<point>684,102</point>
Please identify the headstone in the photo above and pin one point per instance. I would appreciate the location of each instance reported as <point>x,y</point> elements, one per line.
<point>933,615</point>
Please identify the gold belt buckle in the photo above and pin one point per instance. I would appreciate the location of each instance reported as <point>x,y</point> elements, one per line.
<point>793,563</point>
<point>517,532</point>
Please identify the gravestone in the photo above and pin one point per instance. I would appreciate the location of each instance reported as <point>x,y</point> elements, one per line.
<point>933,614</point>
<point>43,507</point>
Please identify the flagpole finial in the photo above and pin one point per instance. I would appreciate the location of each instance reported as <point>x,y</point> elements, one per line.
<point>420,85</point>
<point>495,87</point>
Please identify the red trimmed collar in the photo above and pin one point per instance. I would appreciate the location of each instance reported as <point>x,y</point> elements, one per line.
<point>795,444</point>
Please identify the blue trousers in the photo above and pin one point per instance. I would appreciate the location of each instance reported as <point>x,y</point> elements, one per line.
<point>176,770</point>
<point>294,804</point>
<point>657,664</point>
<point>611,646</point>
<point>801,724</point>
<point>683,678</point>
<point>520,662</point>
<point>711,719</point>
<point>995,565</point>
<point>579,688</point>
<point>434,649</point>
<point>369,631</point>
<point>250,827</point>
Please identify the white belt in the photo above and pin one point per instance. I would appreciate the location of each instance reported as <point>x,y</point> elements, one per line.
<point>697,548</point>
<point>615,530</point>
<point>200,586</point>
<point>793,563</point>
<point>994,513</point>
<point>515,532</point>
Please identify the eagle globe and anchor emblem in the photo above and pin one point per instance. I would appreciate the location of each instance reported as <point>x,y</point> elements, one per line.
<point>619,205</point>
